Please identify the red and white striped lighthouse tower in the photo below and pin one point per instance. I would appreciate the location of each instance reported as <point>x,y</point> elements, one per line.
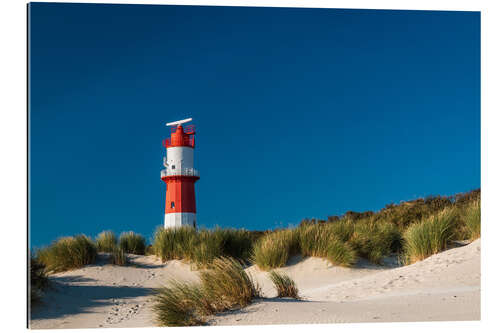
<point>179,175</point>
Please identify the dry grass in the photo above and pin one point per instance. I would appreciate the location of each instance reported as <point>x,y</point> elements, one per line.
<point>179,304</point>
<point>326,241</point>
<point>228,283</point>
<point>430,236</point>
<point>106,241</point>
<point>131,242</point>
<point>473,220</point>
<point>407,213</point>
<point>38,280</point>
<point>374,240</point>
<point>201,247</point>
<point>173,243</point>
<point>225,285</point>
<point>274,249</point>
<point>118,257</point>
<point>284,285</point>
<point>318,240</point>
<point>341,254</point>
<point>68,253</point>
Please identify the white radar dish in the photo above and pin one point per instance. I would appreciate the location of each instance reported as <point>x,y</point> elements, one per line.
<point>179,122</point>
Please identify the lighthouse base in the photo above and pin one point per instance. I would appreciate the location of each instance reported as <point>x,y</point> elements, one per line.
<point>175,220</point>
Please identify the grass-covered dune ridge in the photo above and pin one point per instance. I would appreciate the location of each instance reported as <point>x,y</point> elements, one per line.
<point>405,229</point>
<point>407,212</point>
<point>222,254</point>
<point>437,222</point>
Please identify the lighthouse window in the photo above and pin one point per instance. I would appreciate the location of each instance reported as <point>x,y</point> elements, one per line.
<point>172,204</point>
<point>173,166</point>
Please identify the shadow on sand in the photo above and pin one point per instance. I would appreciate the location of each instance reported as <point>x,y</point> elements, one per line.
<point>134,260</point>
<point>66,296</point>
<point>254,307</point>
<point>391,261</point>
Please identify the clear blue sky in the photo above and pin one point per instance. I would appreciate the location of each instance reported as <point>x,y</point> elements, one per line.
<point>299,112</point>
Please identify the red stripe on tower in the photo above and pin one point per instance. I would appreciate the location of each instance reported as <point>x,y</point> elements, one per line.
<point>179,175</point>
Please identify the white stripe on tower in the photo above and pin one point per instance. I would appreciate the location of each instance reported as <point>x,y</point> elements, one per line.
<point>174,220</point>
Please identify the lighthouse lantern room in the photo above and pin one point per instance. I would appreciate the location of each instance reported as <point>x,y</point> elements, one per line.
<point>179,175</point>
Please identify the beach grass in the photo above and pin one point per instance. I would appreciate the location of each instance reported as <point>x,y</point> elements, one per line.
<point>430,236</point>
<point>342,229</point>
<point>106,241</point>
<point>179,304</point>
<point>68,253</point>
<point>327,241</point>
<point>203,246</point>
<point>314,239</point>
<point>472,219</point>
<point>274,249</point>
<point>340,253</point>
<point>133,243</point>
<point>118,257</point>
<point>224,285</point>
<point>173,243</point>
<point>236,243</point>
<point>421,225</point>
<point>374,240</point>
<point>38,280</point>
<point>284,285</point>
<point>149,250</point>
<point>228,284</point>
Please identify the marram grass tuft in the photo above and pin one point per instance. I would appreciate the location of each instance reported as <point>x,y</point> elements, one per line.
<point>224,285</point>
<point>118,257</point>
<point>68,253</point>
<point>473,220</point>
<point>430,236</point>
<point>201,247</point>
<point>130,242</point>
<point>106,241</point>
<point>284,285</point>
<point>273,250</point>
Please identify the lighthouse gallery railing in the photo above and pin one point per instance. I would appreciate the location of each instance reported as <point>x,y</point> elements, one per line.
<point>180,172</point>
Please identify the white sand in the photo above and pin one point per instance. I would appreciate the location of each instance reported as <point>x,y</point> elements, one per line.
<point>445,286</point>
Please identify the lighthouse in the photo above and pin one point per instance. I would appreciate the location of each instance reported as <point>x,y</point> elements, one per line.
<point>179,175</point>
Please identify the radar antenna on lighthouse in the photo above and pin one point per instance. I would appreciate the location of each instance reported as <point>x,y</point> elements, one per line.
<point>180,175</point>
<point>180,122</point>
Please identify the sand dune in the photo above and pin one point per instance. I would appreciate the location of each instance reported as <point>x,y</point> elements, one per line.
<point>445,286</point>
